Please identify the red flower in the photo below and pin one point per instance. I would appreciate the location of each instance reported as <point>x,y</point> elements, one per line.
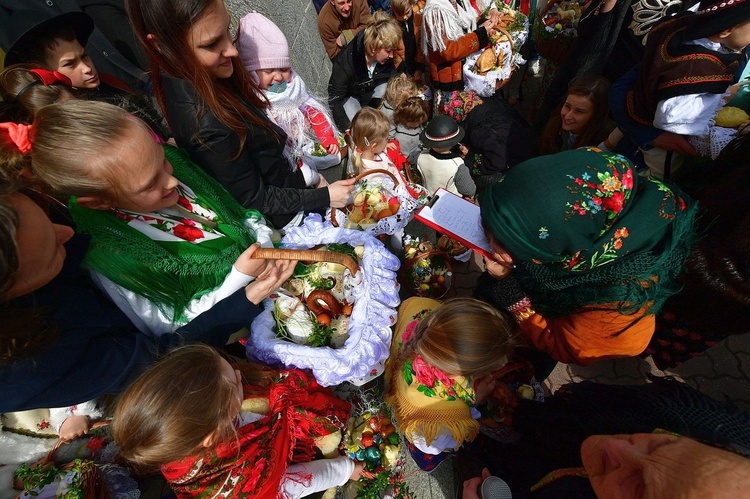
<point>182,201</point>
<point>96,443</point>
<point>618,244</point>
<point>627,180</point>
<point>579,181</point>
<point>614,203</point>
<point>43,425</point>
<point>597,200</point>
<point>188,233</point>
<point>187,221</point>
<point>681,203</point>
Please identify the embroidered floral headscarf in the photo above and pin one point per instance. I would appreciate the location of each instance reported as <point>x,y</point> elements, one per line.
<point>585,229</point>
<point>458,103</point>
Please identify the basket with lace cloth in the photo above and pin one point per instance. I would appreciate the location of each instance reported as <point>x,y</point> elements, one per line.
<point>507,59</point>
<point>368,208</point>
<point>374,293</point>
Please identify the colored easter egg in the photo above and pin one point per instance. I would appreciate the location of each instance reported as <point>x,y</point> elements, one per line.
<point>372,454</point>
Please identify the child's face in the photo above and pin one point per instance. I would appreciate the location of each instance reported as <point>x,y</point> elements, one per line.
<point>380,145</point>
<point>211,42</point>
<point>147,183</point>
<point>72,60</point>
<point>233,376</point>
<point>405,17</point>
<point>268,77</point>
<point>576,113</point>
<point>738,37</point>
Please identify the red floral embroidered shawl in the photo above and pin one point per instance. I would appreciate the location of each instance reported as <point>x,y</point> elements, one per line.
<point>254,463</point>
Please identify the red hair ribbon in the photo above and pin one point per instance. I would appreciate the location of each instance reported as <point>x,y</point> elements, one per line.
<point>52,77</point>
<point>19,135</point>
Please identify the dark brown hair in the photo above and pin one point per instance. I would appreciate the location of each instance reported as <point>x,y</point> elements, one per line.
<point>595,89</point>
<point>19,78</point>
<point>170,21</point>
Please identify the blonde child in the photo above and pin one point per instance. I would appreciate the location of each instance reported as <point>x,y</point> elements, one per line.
<point>399,88</point>
<point>442,360</point>
<point>369,140</point>
<point>408,120</point>
<point>167,241</point>
<point>264,51</point>
<point>239,430</point>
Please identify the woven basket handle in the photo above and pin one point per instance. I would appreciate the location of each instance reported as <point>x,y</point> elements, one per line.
<point>357,179</point>
<point>307,256</point>
<point>50,457</point>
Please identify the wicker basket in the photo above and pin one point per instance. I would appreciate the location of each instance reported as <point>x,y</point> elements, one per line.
<point>480,83</point>
<point>385,225</point>
<point>372,290</point>
<point>91,479</point>
<point>555,49</point>
<point>422,274</point>
<point>310,255</point>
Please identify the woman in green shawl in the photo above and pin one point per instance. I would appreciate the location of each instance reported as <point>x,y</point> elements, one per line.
<point>167,241</point>
<point>585,252</point>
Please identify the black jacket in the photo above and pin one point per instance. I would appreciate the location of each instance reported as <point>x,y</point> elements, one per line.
<point>98,350</point>
<point>350,78</point>
<point>497,136</point>
<point>260,177</point>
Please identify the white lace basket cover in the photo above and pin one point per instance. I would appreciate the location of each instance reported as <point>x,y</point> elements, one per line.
<point>363,355</point>
<point>484,86</point>
<point>387,225</point>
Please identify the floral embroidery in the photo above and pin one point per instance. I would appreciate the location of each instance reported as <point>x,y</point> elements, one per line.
<point>433,382</point>
<point>608,192</point>
<point>543,233</point>
<point>43,425</point>
<point>607,255</point>
<point>172,221</point>
<point>668,210</point>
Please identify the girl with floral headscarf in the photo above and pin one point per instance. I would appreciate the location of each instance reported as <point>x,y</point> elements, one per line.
<point>585,252</point>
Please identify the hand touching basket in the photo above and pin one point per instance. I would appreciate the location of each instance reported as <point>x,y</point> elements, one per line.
<point>381,204</point>
<point>363,353</point>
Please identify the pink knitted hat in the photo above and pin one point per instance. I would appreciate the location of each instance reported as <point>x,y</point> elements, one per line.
<point>261,44</point>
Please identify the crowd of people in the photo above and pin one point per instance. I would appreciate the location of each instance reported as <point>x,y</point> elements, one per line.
<point>149,148</point>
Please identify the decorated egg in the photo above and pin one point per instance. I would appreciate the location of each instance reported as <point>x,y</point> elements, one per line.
<point>361,455</point>
<point>372,454</point>
<point>377,439</point>
<point>367,440</point>
<point>393,439</point>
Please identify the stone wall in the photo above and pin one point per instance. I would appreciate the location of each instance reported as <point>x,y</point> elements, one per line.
<point>299,22</point>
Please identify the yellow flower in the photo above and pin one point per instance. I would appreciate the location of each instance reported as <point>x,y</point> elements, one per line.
<point>611,184</point>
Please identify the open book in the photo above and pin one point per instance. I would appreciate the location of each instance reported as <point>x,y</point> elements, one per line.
<point>456,217</point>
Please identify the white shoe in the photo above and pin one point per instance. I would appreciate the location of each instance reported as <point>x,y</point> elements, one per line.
<point>533,68</point>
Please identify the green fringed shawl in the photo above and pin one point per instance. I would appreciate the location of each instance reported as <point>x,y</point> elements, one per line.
<point>585,230</point>
<point>169,274</point>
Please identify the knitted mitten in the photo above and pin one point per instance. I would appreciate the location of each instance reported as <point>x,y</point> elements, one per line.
<point>500,293</point>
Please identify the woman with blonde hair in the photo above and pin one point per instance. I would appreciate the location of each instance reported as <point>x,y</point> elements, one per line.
<point>259,438</point>
<point>442,366</point>
<point>362,69</point>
